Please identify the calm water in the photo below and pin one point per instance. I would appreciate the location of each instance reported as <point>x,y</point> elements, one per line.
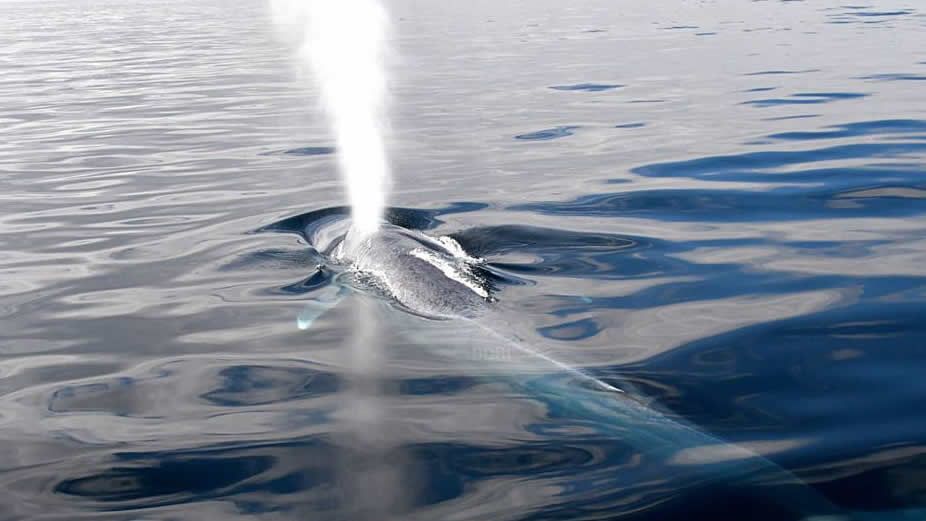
<point>720,202</point>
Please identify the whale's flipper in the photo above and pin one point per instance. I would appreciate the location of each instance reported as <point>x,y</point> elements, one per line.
<point>324,299</point>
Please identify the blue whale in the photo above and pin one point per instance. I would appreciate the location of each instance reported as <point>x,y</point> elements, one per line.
<point>435,278</point>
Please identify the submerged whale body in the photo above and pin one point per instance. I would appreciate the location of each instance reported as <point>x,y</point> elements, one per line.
<point>436,278</point>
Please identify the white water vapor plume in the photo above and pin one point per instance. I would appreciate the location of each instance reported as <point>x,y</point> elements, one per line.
<point>345,45</point>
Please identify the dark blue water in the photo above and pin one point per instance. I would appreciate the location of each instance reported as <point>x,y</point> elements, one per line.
<point>719,206</point>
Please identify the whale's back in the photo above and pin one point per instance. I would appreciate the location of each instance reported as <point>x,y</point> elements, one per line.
<point>430,277</point>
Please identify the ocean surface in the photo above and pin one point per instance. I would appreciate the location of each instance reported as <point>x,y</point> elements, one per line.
<point>717,206</point>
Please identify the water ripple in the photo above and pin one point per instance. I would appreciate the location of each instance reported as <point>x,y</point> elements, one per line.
<point>917,127</point>
<point>779,72</point>
<point>805,98</point>
<point>548,134</point>
<point>756,273</point>
<point>895,77</point>
<point>587,87</point>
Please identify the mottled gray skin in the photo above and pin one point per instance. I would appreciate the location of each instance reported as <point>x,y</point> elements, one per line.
<point>407,265</point>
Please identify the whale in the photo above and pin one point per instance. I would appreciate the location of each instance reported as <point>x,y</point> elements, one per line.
<point>435,279</point>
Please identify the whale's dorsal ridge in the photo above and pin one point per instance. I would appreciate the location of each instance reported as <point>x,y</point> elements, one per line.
<point>431,277</point>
